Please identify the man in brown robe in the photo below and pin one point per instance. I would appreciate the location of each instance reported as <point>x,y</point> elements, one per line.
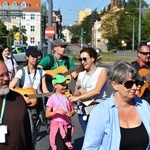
<point>15,132</point>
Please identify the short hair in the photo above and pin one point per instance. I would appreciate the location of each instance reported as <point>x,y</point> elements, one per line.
<point>120,71</point>
<point>140,47</point>
<point>91,51</point>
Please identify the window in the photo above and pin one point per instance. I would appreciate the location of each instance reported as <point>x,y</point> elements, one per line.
<point>5,3</point>
<point>32,28</point>
<point>14,4</point>
<point>13,18</point>
<point>32,16</point>
<point>23,17</point>
<point>32,40</point>
<point>23,4</point>
<point>23,27</point>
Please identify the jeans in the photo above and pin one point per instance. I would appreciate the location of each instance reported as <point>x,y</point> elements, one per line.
<point>81,121</point>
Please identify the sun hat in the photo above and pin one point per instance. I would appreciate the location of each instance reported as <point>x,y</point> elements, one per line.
<point>59,79</point>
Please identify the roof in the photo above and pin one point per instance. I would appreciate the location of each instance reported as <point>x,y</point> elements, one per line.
<point>31,5</point>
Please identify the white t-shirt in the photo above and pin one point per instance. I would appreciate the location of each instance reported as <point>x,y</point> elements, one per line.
<point>89,82</point>
<point>11,66</point>
<point>31,80</point>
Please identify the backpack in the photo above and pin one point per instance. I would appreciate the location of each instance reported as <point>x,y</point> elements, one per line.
<point>21,82</point>
<point>52,61</point>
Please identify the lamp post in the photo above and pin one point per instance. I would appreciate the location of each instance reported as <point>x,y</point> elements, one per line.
<point>139,31</point>
<point>50,12</point>
<point>132,29</point>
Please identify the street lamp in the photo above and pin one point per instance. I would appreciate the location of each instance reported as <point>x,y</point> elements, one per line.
<point>132,29</point>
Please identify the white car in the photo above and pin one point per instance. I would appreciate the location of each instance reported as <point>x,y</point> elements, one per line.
<point>19,54</point>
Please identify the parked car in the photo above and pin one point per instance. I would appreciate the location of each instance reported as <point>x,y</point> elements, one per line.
<point>19,54</point>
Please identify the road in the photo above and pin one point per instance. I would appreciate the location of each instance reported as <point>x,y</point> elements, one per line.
<point>77,140</point>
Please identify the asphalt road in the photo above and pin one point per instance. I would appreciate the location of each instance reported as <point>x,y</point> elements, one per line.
<point>77,139</point>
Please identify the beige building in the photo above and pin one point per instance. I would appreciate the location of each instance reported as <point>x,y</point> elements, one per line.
<point>83,13</point>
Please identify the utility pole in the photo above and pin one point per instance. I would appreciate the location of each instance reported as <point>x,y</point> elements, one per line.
<point>82,37</point>
<point>50,17</point>
<point>139,31</point>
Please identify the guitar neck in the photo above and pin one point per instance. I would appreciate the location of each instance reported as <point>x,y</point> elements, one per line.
<point>39,95</point>
<point>78,68</point>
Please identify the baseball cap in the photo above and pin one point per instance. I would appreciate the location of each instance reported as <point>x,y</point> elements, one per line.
<point>59,79</point>
<point>32,51</point>
<point>59,42</point>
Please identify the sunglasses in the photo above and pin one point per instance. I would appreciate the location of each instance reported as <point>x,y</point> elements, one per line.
<point>129,84</point>
<point>84,59</point>
<point>145,53</point>
<point>63,46</point>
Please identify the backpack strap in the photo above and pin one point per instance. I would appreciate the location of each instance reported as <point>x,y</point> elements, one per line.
<point>21,81</point>
<point>66,58</point>
<point>40,72</point>
<point>51,57</point>
<point>12,61</point>
<point>136,65</point>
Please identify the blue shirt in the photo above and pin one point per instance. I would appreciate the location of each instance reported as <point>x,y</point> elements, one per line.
<point>103,129</point>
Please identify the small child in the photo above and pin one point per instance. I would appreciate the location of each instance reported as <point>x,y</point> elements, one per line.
<point>60,110</point>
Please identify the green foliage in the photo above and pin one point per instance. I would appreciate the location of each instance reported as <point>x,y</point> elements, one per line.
<point>3,33</point>
<point>15,30</point>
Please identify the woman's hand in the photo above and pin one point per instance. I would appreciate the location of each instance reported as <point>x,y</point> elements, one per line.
<point>73,98</point>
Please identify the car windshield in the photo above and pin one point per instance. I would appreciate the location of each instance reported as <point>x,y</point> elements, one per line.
<point>18,50</point>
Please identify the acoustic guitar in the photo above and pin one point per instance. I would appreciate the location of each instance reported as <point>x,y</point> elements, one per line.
<point>32,94</point>
<point>64,71</point>
<point>145,74</point>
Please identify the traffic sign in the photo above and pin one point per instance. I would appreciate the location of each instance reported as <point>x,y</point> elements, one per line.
<point>49,32</point>
<point>17,36</point>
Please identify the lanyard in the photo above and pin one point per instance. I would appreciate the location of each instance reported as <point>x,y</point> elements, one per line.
<point>63,104</point>
<point>88,78</point>
<point>57,64</point>
<point>3,108</point>
<point>32,80</point>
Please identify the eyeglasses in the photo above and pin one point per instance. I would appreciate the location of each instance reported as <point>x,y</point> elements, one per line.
<point>145,53</point>
<point>84,59</point>
<point>2,76</point>
<point>128,84</point>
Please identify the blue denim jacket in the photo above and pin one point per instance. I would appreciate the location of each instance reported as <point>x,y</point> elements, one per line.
<point>103,129</point>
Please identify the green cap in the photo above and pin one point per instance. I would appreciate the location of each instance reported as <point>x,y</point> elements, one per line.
<point>59,79</point>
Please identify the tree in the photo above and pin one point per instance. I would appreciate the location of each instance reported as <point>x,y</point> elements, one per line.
<point>3,33</point>
<point>15,30</point>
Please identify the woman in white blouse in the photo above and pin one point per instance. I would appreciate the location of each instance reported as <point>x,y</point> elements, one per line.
<point>9,61</point>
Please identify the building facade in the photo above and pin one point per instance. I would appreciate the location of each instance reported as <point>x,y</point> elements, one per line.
<point>83,13</point>
<point>67,35</point>
<point>23,14</point>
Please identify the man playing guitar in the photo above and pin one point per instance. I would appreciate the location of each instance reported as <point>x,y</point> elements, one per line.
<point>142,64</point>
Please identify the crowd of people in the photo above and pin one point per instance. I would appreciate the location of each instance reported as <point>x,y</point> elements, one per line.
<point>113,122</point>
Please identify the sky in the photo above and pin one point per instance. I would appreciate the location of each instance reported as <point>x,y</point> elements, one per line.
<point>70,8</point>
